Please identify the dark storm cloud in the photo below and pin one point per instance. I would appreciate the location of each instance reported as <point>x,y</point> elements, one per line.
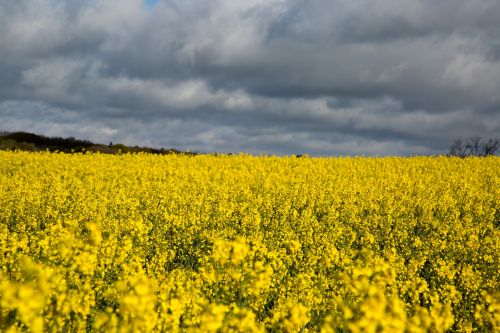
<point>276,76</point>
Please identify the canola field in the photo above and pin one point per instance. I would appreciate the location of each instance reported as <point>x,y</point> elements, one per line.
<point>147,243</point>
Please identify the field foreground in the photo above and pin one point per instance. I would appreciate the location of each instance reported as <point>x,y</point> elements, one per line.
<point>94,242</point>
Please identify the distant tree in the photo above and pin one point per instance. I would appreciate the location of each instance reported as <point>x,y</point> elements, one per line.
<point>491,146</point>
<point>474,146</point>
<point>35,142</point>
<point>457,148</point>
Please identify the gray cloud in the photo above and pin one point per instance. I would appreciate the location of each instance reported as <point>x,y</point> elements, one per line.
<point>276,76</point>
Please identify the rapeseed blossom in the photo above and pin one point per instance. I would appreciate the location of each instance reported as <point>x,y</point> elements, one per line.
<point>149,243</point>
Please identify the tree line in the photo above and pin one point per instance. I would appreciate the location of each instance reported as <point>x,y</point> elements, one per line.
<point>34,142</point>
<point>474,146</point>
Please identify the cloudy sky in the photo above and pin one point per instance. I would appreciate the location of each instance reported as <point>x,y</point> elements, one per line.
<point>323,77</point>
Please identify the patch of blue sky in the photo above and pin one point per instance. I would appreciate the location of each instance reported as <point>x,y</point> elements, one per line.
<point>150,3</point>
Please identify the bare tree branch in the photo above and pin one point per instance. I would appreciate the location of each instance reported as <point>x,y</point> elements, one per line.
<point>491,146</point>
<point>458,148</point>
<point>474,146</point>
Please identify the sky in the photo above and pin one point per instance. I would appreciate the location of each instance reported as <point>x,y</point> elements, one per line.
<point>317,77</point>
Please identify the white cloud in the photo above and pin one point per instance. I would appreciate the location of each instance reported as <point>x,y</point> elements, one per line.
<point>279,76</point>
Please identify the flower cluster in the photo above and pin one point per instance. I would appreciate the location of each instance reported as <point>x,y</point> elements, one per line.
<point>139,242</point>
